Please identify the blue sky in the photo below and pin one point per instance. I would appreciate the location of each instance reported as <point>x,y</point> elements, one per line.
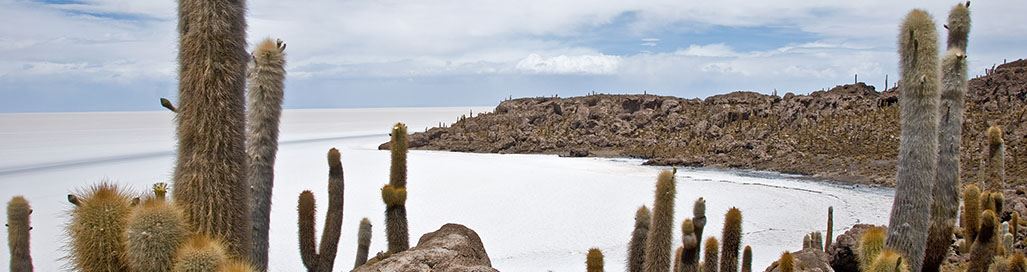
<point>119,55</point>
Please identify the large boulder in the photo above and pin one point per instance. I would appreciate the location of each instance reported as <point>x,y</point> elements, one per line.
<point>452,248</point>
<point>843,249</point>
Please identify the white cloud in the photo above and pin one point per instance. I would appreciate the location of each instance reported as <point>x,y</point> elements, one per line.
<point>710,50</point>
<point>562,64</point>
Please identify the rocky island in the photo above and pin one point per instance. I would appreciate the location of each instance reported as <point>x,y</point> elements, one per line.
<point>849,133</point>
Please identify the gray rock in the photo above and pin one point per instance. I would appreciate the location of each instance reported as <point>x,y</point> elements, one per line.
<point>452,248</point>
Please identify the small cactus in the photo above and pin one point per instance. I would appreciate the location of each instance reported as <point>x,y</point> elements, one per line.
<point>970,217</point>
<point>983,250</point>
<point>690,247</point>
<point>889,261</point>
<point>659,240</point>
<point>699,216</point>
<point>97,228</point>
<point>322,259</point>
<point>18,227</point>
<point>732,240</point>
<point>153,234</point>
<point>786,263</point>
<point>1017,263</point>
<point>594,260</point>
<point>747,259</point>
<point>710,259</point>
<point>200,253</point>
<point>830,228</point>
<point>394,194</point>
<point>363,242</point>
<point>871,243</point>
<point>1014,224</point>
<point>996,164</point>
<point>636,247</point>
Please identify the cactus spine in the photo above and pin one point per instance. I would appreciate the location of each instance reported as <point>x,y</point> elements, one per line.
<point>918,148</point>
<point>200,254</point>
<point>594,260</point>
<point>786,262</point>
<point>870,245</point>
<point>153,234</point>
<point>690,247</point>
<point>710,257</point>
<point>210,177</point>
<point>983,250</point>
<point>18,211</point>
<point>946,187</point>
<point>732,240</point>
<point>830,228</point>
<point>659,240</point>
<point>265,94</point>
<point>322,259</point>
<point>1017,263</point>
<point>237,266</point>
<point>96,229</point>
<point>747,259</point>
<point>636,247</point>
<point>363,242</point>
<point>996,168</point>
<point>394,194</point>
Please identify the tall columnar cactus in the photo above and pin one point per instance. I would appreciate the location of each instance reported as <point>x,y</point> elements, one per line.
<point>594,260</point>
<point>97,228</point>
<point>363,242</point>
<point>870,245</point>
<point>918,143</point>
<point>210,176</point>
<point>982,252</point>
<point>970,217</point>
<point>996,164</point>
<point>323,258</point>
<point>946,186</point>
<point>265,84</point>
<point>747,259</point>
<point>786,263</point>
<point>699,216</point>
<point>677,259</point>
<point>690,247</point>
<point>394,194</point>
<point>18,211</point>
<point>732,240</point>
<point>1014,224</point>
<point>992,201</point>
<point>830,228</point>
<point>959,26</point>
<point>636,247</point>
<point>659,240</point>
<point>200,253</point>
<point>889,261</point>
<point>710,257</point>
<point>154,232</point>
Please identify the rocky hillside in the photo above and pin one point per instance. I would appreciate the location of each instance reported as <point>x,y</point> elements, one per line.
<point>848,133</point>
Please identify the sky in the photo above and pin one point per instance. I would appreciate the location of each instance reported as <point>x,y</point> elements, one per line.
<point>120,55</point>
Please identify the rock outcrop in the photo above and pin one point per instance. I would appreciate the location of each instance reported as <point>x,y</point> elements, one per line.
<point>848,133</point>
<point>452,248</point>
<point>843,250</point>
<point>807,260</point>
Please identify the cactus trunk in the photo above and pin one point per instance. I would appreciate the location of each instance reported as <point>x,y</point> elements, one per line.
<point>636,247</point>
<point>97,228</point>
<point>322,258</point>
<point>363,242</point>
<point>397,232</point>
<point>690,247</point>
<point>830,228</point>
<point>917,162</point>
<point>153,234</point>
<point>732,240</point>
<point>18,211</point>
<point>210,177</point>
<point>747,259</point>
<point>265,94</point>
<point>594,260</point>
<point>983,250</point>
<point>710,257</point>
<point>659,241</point>
<point>946,187</point>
